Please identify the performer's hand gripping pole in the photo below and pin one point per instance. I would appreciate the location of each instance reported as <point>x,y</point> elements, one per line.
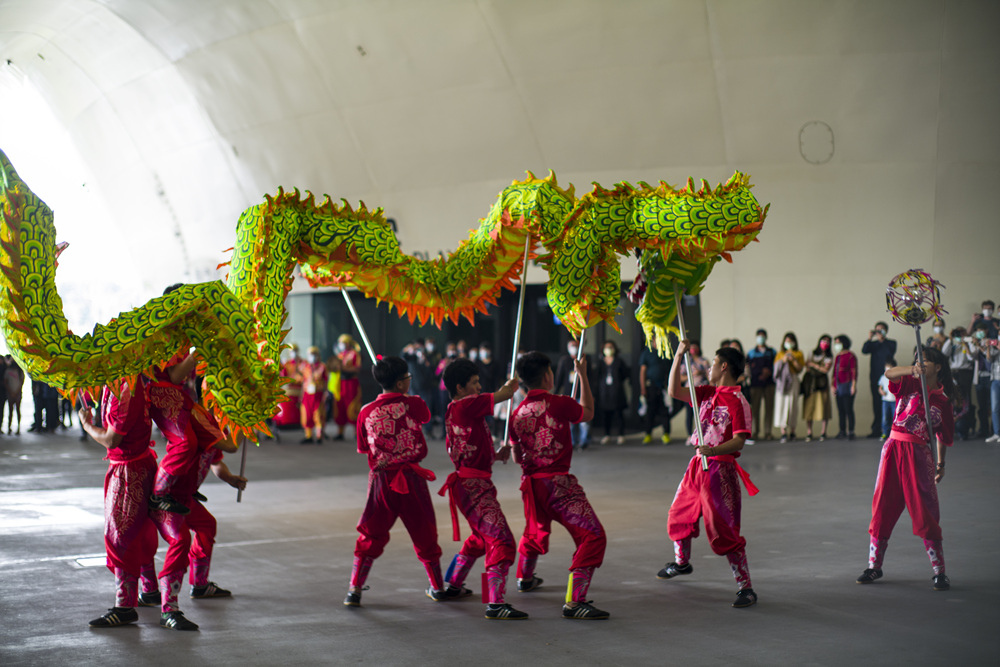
<point>923,391</point>
<point>687,367</point>
<point>517,341</point>
<point>357,322</point>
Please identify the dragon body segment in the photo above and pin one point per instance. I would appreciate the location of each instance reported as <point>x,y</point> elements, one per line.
<point>237,325</point>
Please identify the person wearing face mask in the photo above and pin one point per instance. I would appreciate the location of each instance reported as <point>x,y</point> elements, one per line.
<point>962,359</point>
<point>564,377</point>
<point>845,383</point>
<point>760,360</point>
<point>788,363</point>
<point>489,369</point>
<point>816,388</point>
<point>985,315</point>
<point>653,370</point>
<point>881,348</point>
<point>349,403</point>
<point>987,370</point>
<point>938,338</point>
<point>614,374</point>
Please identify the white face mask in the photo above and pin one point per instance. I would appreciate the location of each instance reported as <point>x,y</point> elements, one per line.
<point>609,352</point>
<point>838,348</point>
<point>572,349</point>
<point>313,358</point>
<point>789,345</point>
<point>957,340</point>
<point>429,347</point>
<point>342,347</point>
<point>939,330</point>
<point>484,354</point>
<point>761,340</point>
<point>473,355</point>
<point>987,313</point>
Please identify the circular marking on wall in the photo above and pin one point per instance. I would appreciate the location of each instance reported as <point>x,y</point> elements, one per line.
<point>816,142</point>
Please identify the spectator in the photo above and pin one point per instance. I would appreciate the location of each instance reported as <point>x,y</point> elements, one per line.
<point>489,369</point>
<point>880,347</point>
<point>939,336</point>
<point>13,380</point>
<point>962,359</point>
<point>845,382</point>
<point>986,316</point>
<point>613,375</point>
<point>816,388</point>
<point>652,382</point>
<point>982,372</point>
<point>788,363</point>
<point>761,362</point>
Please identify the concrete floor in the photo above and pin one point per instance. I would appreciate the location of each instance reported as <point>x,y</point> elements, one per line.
<point>285,551</point>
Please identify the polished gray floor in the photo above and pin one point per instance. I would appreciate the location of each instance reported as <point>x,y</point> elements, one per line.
<point>285,551</point>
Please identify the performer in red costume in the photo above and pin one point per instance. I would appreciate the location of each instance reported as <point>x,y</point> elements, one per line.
<point>129,536</point>
<point>350,386</point>
<point>543,446</point>
<point>713,493</point>
<point>314,380</point>
<point>389,432</point>
<point>907,476</point>
<point>470,489</point>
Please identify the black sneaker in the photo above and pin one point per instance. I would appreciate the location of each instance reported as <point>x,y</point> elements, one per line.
<point>210,590</point>
<point>584,611</point>
<point>175,621</point>
<point>353,599</point>
<point>200,497</point>
<point>745,598</point>
<point>504,612</point>
<point>167,504</point>
<point>941,582</point>
<point>869,576</point>
<point>436,595</point>
<point>116,616</point>
<point>306,441</point>
<point>525,585</point>
<point>151,599</point>
<point>456,592</point>
<point>672,570</point>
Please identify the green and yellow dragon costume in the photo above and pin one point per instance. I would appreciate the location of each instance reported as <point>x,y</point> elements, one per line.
<point>237,325</point>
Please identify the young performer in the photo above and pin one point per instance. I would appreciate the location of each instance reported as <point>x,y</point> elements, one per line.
<point>314,380</point>
<point>470,447</point>
<point>202,526</point>
<point>389,432</point>
<point>129,537</point>
<point>714,493</point>
<point>906,473</point>
<point>542,445</point>
<point>346,411</point>
<point>182,445</point>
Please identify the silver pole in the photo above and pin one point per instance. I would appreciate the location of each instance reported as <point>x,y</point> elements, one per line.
<point>357,322</point>
<point>687,366</point>
<point>517,336</point>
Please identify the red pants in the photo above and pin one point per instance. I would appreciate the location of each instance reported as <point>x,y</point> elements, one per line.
<point>477,500</point>
<point>176,530</point>
<point>311,404</point>
<point>129,537</point>
<point>561,499</point>
<point>384,506</point>
<point>715,494</point>
<point>905,479</point>
<point>181,455</point>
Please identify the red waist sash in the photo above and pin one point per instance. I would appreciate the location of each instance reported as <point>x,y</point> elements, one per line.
<point>464,472</point>
<point>398,483</point>
<point>744,475</point>
<point>903,436</point>
<point>529,498</point>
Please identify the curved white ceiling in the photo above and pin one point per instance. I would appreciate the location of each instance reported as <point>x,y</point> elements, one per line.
<point>188,111</point>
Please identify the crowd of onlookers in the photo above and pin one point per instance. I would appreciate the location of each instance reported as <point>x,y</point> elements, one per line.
<point>790,389</point>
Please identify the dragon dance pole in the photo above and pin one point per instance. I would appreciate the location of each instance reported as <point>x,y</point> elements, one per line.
<point>243,467</point>
<point>357,322</point>
<point>923,391</point>
<point>517,337</point>
<point>687,366</point>
<point>579,355</point>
